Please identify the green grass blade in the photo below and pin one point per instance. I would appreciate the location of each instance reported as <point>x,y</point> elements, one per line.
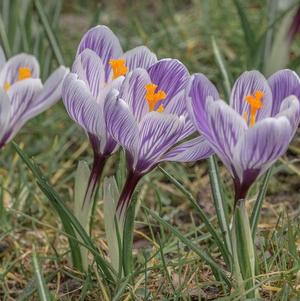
<point>219,201</point>
<point>222,66</point>
<point>202,215</point>
<point>203,255</point>
<point>50,34</point>
<point>66,214</point>
<point>44,293</point>
<point>258,203</point>
<point>247,30</point>
<point>128,237</point>
<point>4,38</point>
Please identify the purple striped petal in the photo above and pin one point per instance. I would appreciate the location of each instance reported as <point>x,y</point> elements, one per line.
<point>189,151</point>
<point>169,75</point>
<point>283,84</point>
<point>260,147</point>
<point>158,132</point>
<point>225,128</point>
<point>49,95</point>
<point>104,43</point>
<point>5,112</point>
<point>133,92</point>
<point>21,95</point>
<point>178,106</point>
<point>247,84</point>
<point>113,85</point>
<point>139,57</point>
<point>290,108</point>
<point>81,106</point>
<point>10,72</point>
<point>89,68</point>
<point>198,90</point>
<point>120,123</point>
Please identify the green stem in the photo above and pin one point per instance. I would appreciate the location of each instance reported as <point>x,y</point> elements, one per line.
<point>243,251</point>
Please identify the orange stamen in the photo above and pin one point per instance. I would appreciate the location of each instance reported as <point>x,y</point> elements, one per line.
<point>24,72</point>
<point>118,66</point>
<point>154,97</point>
<point>255,103</point>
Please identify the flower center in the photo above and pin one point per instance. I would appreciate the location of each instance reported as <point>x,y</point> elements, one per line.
<point>154,97</point>
<point>255,103</point>
<point>23,73</point>
<point>118,67</point>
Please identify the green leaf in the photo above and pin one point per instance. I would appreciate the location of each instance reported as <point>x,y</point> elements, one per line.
<point>243,249</point>
<point>258,203</point>
<point>128,236</point>
<point>44,293</point>
<point>219,201</point>
<point>110,200</point>
<point>203,255</point>
<point>82,213</point>
<point>49,32</point>
<point>245,24</point>
<point>67,218</point>
<point>222,66</point>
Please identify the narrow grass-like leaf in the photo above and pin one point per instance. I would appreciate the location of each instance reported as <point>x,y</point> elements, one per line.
<point>245,24</point>
<point>222,66</point>
<point>128,237</point>
<point>50,34</point>
<point>66,215</point>
<point>202,215</point>
<point>258,203</point>
<point>44,293</point>
<point>203,255</point>
<point>4,38</point>
<point>219,201</point>
<point>110,200</point>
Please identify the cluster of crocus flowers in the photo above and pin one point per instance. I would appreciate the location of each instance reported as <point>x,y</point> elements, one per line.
<point>22,94</point>
<point>251,133</point>
<point>151,107</point>
<point>100,66</point>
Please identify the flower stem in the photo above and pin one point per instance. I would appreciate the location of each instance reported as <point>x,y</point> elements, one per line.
<point>243,251</point>
<point>95,175</point>
<point>127,191</point>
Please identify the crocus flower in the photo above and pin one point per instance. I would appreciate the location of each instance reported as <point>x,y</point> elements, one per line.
<point>22,94</point>
<point>99,67</point>
<point>148,117</point>
<point>251,133</point>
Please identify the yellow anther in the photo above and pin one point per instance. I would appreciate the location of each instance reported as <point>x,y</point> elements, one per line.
<point>154,97</point>
<point>118,67</point>
<point>255,103</point>
<point>6,86</point>
<point>160,109</point>
<point>24,72</point>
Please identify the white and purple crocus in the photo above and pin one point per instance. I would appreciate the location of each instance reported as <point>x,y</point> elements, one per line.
<point>22,94</point>
<point>148,117</point>
<point>251,133</point>
<point>100,66</point>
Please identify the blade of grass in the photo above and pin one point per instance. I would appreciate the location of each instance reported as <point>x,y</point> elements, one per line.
<point>258,203</point>
<point>248,32</point>
<point>50,34</point>
<point>66,215</point>
<point>202,215</point>
<point>219,201</point>
<point>203,255</point>
<point>44,293</point>
<point>222,66</point>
